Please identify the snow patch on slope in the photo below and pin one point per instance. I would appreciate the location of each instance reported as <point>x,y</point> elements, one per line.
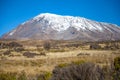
<point>11,33</point>
<point>62,23</point>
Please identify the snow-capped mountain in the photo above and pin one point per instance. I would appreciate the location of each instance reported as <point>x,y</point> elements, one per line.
<point>57,27</point>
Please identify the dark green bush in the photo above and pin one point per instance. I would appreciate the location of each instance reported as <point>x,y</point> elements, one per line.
<point>62,65</point>
<point>44,76</point>
<point>8,76</point>
<point>116,73</point>
<point>117,63</point>
<point>13,76</point>
<point>78,62</point>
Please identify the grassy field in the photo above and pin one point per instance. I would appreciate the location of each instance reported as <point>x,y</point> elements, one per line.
<point>36,57</point>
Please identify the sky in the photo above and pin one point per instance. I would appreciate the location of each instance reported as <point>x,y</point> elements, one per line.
<point>15,12</point>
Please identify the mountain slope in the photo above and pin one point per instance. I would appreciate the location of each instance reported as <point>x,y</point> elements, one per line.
<point>57,27</point>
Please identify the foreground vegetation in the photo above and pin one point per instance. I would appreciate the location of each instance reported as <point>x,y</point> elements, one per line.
<point>59,60</point>
<point>74,71</point>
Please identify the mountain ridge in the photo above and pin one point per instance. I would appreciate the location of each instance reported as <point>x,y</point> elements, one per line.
<point>57,27</point>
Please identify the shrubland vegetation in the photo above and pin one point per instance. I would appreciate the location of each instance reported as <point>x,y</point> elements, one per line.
<point>79,70</point>
<point>59,60</point>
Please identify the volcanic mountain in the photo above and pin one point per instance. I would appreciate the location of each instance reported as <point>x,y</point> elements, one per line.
<point>47,26</point>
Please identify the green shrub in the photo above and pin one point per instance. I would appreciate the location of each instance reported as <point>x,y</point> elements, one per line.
<point>8,76</point>
<point>116,74</point>
<point>44,76</point>
<point>47,75</point>
<point>13,76</point>
<point>62,65</point>
<point>117,63</point>
<point>78,62</point>
<point>57,50</point>
<point>22,76</point>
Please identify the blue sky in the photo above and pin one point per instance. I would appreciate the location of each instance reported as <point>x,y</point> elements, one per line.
<point>14,12</point>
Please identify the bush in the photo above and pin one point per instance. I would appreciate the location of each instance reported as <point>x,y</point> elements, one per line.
<point>13,76</point>
<point>95,46</point>
<point>22,76</point>
<point>44,76</point>
<point>117,63</point>
<point>0,54</point>
<point>14,44</point>
<point>7,52</point>
<point>19,49</point>
<point>3,58</point>
<point>42,54</point>
<point>85,71</point>
<point>113,46</point>
<point>29,54</point>
<point>8,76</point>
<point>3,45</point>
<point>47,45</point>
<point>72,45</point>
<point>116,74</point>
<point>78,62</point>
<point>57,50</point>
<point>39,48</point>
<point>62,65</point>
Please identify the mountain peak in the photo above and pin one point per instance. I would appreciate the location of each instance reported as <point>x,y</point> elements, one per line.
<point>45,15</point>
<point>50,16</point>
<point>59,22</point>
<point>53,26</point>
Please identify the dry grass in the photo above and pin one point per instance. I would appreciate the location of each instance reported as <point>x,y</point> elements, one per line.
<point>33,66</point>
<point>39,64</point>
